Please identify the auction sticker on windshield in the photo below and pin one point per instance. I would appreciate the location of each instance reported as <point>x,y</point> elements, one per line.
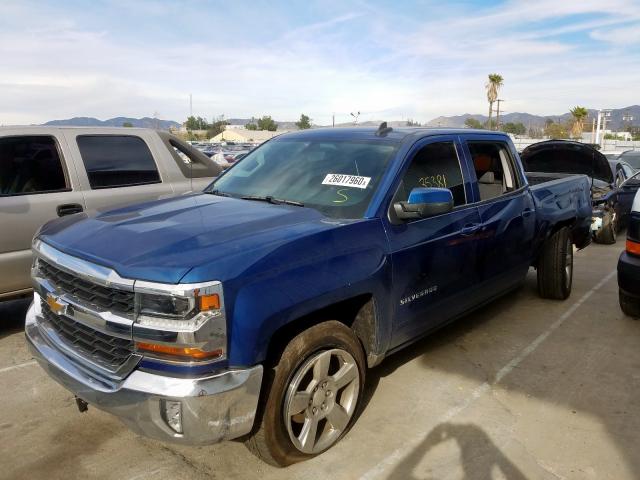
<point>346,180</point>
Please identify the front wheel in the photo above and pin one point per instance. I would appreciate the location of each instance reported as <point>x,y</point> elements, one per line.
<point>555,266</point>
<point>311,397</point>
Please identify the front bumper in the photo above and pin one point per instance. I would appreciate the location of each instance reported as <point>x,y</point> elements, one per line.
<point>218,407</point>
<point>629,274</point>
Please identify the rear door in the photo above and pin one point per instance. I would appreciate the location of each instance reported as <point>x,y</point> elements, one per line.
<point>507,214</point>
<point>434,259</point>
<point>117,169</point>
<point>38,183</point>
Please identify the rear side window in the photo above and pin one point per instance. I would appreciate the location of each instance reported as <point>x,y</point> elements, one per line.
<point>29,165</point>
<point>117,161</point>
<point>494,169</point>
<point>435,165</point>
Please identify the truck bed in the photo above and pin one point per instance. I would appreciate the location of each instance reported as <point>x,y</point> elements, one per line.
<point>558,197</point>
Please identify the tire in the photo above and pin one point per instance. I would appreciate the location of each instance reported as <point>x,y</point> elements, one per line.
<point>555,266</point>
<point>305,378</point>
<point>607,233</point>
<point>630,306</point>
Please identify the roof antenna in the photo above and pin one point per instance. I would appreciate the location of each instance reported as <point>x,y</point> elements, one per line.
<point>383,130</point>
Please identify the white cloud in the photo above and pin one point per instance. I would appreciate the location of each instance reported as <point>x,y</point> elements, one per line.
<point>385,63</point>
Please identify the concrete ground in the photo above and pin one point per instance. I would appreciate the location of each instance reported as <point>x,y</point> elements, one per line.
<point>524,388</point>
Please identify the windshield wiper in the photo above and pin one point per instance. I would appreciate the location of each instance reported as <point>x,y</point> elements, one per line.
<point>274,201</point>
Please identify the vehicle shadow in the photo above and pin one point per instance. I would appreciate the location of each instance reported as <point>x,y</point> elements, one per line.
<point>12,314</point>
<point>588,366</point>
<point>479,456</point>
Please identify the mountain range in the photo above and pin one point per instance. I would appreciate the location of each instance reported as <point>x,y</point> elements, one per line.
<point>144,122</point>
<point>615,122</point>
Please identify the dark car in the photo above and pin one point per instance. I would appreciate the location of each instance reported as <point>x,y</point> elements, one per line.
<point>627,181</point>
<point>570,158</point>
<point>632,157</point>
<point>629,266</point>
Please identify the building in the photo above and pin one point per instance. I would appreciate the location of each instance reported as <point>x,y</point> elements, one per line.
<point>242,135</point>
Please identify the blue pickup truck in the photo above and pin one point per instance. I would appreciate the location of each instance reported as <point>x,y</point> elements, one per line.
<point>253,310</point>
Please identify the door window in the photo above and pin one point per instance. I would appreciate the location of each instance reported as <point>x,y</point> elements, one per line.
<point>117,161</point>
<point>434,165</point>
<point>494,169</point>
<point>29,165</point>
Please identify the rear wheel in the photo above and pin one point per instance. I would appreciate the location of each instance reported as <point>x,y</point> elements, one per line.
<point>311,397</point>
<point>630,306</point>
<point>555,266</point>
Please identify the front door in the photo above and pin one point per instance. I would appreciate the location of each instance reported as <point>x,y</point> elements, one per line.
<point>433,258</point>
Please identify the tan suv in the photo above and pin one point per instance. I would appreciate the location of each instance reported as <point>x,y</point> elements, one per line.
<point>48,172</point>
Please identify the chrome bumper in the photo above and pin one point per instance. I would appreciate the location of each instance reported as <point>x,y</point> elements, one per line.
<point>214,408</point>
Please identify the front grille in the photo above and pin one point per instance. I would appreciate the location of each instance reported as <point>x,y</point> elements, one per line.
<point>107,351</point>
<point>105,298</point>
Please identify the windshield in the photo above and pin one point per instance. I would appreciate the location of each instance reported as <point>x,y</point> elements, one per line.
<point>632,158</point>
<point>334,177</point>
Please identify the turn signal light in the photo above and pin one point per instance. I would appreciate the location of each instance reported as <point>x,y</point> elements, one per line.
<point>179,351</point>
<point>209,302</point>
<point>633,247</point>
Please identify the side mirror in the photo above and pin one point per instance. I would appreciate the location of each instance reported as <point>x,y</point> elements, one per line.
<point>424,202</point>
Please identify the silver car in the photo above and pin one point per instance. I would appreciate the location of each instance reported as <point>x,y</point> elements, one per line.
<point>49,172</point>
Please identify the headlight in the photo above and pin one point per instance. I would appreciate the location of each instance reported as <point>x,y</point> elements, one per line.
<point>181,321</point>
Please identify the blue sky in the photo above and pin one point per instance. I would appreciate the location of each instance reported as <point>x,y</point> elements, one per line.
<point>389,60</point>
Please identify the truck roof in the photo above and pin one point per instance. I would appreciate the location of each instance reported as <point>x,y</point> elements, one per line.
<point>394,135</point>
<point>35,129</point>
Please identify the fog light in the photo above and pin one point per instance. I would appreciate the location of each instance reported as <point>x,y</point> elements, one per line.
<point>172,414</point>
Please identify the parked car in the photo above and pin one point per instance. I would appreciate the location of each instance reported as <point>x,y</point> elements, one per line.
<point>49,172</point>
<point>627,181</point>
<point>629,265</point>
<point>254,309</point>
<point>567,157</point>
<point>632,157</point>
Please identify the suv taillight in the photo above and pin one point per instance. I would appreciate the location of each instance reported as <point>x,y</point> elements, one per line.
<point>633,234</point>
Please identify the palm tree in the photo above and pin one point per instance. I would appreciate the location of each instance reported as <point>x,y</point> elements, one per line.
<point>493,86</point>
<point>579,114</point>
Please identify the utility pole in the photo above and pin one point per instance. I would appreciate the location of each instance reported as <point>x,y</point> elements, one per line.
<point>333,119</point>
<point>355,116</point>
<point>191,105</point>
<point>498,113</point>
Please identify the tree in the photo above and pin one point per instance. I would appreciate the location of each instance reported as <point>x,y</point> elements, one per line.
<point>412,123</point>
<point>579,114</point>
<point>472,123</point>
<point>267,123</point>
<point>493,87</point>
<point>196,123</point>
<point>127,124</point>
<point>216,128</point>
<point>251,126</point>
<point>514,128</point>
<point>555,130</point>
<point>304,122</point>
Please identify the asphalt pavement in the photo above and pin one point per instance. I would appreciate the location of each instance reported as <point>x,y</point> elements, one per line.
<point>523,388</point>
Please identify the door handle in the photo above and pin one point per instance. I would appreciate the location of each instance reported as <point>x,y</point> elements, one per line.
<point>470,229</point>
<point>68,209</point>
<point>527,211</point>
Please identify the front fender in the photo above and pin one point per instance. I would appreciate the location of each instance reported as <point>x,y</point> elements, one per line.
<point>311,274</point>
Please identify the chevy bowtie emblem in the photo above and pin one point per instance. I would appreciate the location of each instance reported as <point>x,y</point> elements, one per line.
<point>56,306</point>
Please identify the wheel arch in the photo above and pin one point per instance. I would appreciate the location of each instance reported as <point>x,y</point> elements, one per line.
<point>358,313</point>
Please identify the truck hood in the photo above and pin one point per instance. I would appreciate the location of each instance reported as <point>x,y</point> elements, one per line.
<point>560,156</point>
<point>163,240</point>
